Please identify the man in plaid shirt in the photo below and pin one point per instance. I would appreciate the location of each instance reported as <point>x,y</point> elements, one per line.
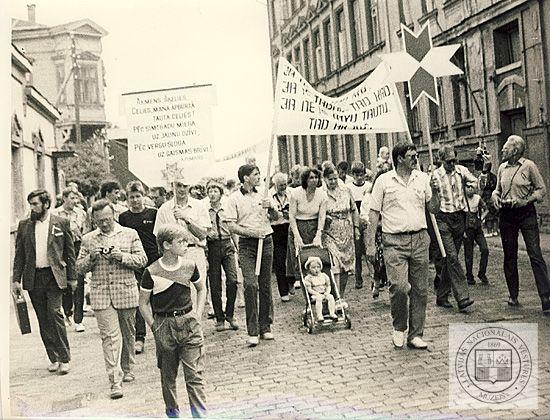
<point>112,253</point>
<point>451,220</point>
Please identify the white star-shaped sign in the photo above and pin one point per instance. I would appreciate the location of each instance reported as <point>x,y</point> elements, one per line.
<point>420,63</point>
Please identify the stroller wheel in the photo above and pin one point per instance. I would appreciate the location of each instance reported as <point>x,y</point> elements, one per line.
<point>310,329</point>
<point>348,323</point>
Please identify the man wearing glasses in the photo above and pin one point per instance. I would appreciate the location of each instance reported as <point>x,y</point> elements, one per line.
<point>401,196</point>
<point>451,221</point>
<point>193,216</point>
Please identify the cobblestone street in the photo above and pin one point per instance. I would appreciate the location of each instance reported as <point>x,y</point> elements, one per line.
<point>333,373</point>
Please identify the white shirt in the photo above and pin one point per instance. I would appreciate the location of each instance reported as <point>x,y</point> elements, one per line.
<point>41,239</point>
<point>401,204</point>
<point>198,213</point>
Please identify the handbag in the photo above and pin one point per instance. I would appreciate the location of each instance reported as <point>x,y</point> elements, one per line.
<point>22,313</point>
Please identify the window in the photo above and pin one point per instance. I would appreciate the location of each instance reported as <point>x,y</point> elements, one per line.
<point>18,203</point>
<point>412,114</point>
<point>317,57</point>
<point>401,12</point>
<point>357,45</point>
<point>381,140</point>
<point>426,6</point>
<point>292,6</point>
<point>60,71</point>
<point>437,115</point>
<point>289,57</point>
<point>364,150</point>
<point>342,44</point>
<point>461,97</point>
<point>327,28</point>
<point>350,148</point>
<point>375,22</point>
<point>295,140</point>
<point>322,145</point>
<point>305,149</point>
<point>297,59</point>
<point>88,84</point>
<point>507,44</point>
<point>334,148</point>
<point>306,59</point>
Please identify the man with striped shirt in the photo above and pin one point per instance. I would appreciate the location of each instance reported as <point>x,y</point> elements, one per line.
<point>451,220</point>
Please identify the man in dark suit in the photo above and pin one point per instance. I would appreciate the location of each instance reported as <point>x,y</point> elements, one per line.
<point>45,260</point>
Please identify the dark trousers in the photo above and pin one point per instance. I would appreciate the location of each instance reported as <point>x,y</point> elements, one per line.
<point>46,299</point>
<point>75,298</point>
<point>221,253</point>
<point>141,332</point>
<point>475,236</point>
<point>359,251</point>
<point>257,288</point>
<point>280,245</point>
<point>511,221</point>
<point>180,339</point>
<point>452,277</point>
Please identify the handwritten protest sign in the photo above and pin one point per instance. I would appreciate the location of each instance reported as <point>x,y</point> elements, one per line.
<point>169,126</point>
<point>372,107</point>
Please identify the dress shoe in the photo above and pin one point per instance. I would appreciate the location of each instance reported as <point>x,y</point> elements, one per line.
<point>116,392</point>
<point>138,347</point>
<point>233,324</point>
<point>417,343</point>
<point>220,326</point>
<point>211,314</point>
<point>128,377</point>
<point>471,281</point>
<point>545,301</point>
<point>483,278</point>
<point>375,291</point>
<point>464,303</point>
<point>253,341</point>
<point>53,367</point>
<point>79,328</point>
<point>398,339</point>
<point>63,368</point>
<point>444,303</point>
<point>513,301</point>
<point>267,336</point>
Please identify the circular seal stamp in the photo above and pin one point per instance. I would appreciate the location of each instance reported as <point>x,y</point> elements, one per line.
<point>493,364</point>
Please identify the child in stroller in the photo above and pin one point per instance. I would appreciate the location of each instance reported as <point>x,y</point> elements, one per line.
<point>335,314</point>
<point>317,285</point>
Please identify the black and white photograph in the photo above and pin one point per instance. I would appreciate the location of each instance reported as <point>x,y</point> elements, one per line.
<point>260,209</point>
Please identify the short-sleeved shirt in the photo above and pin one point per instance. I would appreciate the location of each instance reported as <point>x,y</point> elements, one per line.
<point>305,209</point>
<point>474,203</point>
<point>519,181</point>
<point>143,223</point>
<point>359,191</point>
<point>198,213</point>
<point>245,209</point>
<point>170,286</point>
<point>402,205</point>
<point>317,283</point>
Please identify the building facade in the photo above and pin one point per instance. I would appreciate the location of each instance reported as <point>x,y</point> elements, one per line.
<point>505,88</point>
<point>54,52</point>
<point>34,146</point>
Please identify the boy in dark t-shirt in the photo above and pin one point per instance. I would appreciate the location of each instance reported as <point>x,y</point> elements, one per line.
<point>166,305</point>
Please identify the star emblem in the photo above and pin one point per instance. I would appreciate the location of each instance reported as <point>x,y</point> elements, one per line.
<point>172,172</point>
<point>420,63</point>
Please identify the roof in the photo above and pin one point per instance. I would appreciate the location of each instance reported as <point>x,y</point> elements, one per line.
<point>81,26</point>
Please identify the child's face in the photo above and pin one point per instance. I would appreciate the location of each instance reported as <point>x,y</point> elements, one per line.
<point>469,191</point>
<point>177,247</point>
<point>359,177</point>
<point>315,268</point>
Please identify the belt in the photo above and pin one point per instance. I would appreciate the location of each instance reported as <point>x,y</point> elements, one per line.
<point>191,245</point>
<point>249,238</point>
<point>42,268</point>
<point>174,313</point>
<point>223,238</point>
<point>409,232</point>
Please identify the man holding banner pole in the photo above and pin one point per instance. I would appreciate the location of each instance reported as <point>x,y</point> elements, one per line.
<point>246,216</point>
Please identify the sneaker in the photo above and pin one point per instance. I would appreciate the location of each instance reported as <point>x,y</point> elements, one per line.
<point>253,341</point>
<point>321,319</point>
<point>398,339</point>
<point>220,326</point>
<point>471,281</point>
<point>172,413</point>
<point>464,303</point>
<point>297,285</point>
<point>285,298</point>
<point>79,328</point>
<point>139,347</point>
<point>63,368</point>
<point>53,367</point>
<point>211,314</point>
<point>267,336</point>
<point>334,317</point>
<point>233,324</point>
<point>417,343</point>
<point>116,392</point>
<point>513,302</point>
<point>128,377</point>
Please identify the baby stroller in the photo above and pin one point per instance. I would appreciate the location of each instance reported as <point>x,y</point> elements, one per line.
<point>310,321</point>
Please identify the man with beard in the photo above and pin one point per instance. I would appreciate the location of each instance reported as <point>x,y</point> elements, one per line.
<point>45,260</point>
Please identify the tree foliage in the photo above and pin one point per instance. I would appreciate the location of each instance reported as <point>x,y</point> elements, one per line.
<point>89,167</point>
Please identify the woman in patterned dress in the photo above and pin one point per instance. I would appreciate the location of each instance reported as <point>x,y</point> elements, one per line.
<point>341,227</point>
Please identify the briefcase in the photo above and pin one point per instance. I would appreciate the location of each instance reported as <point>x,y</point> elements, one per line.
<point>22,313</point>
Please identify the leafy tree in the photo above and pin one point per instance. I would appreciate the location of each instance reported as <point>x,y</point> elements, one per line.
<point>89,167</point>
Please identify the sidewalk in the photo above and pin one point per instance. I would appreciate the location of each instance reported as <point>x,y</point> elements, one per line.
<point>496,242</point>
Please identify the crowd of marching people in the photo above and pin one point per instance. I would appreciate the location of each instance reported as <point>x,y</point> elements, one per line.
<point>148,256</point>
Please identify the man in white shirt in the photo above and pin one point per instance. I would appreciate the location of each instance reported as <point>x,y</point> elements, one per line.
<point>401,197</point>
